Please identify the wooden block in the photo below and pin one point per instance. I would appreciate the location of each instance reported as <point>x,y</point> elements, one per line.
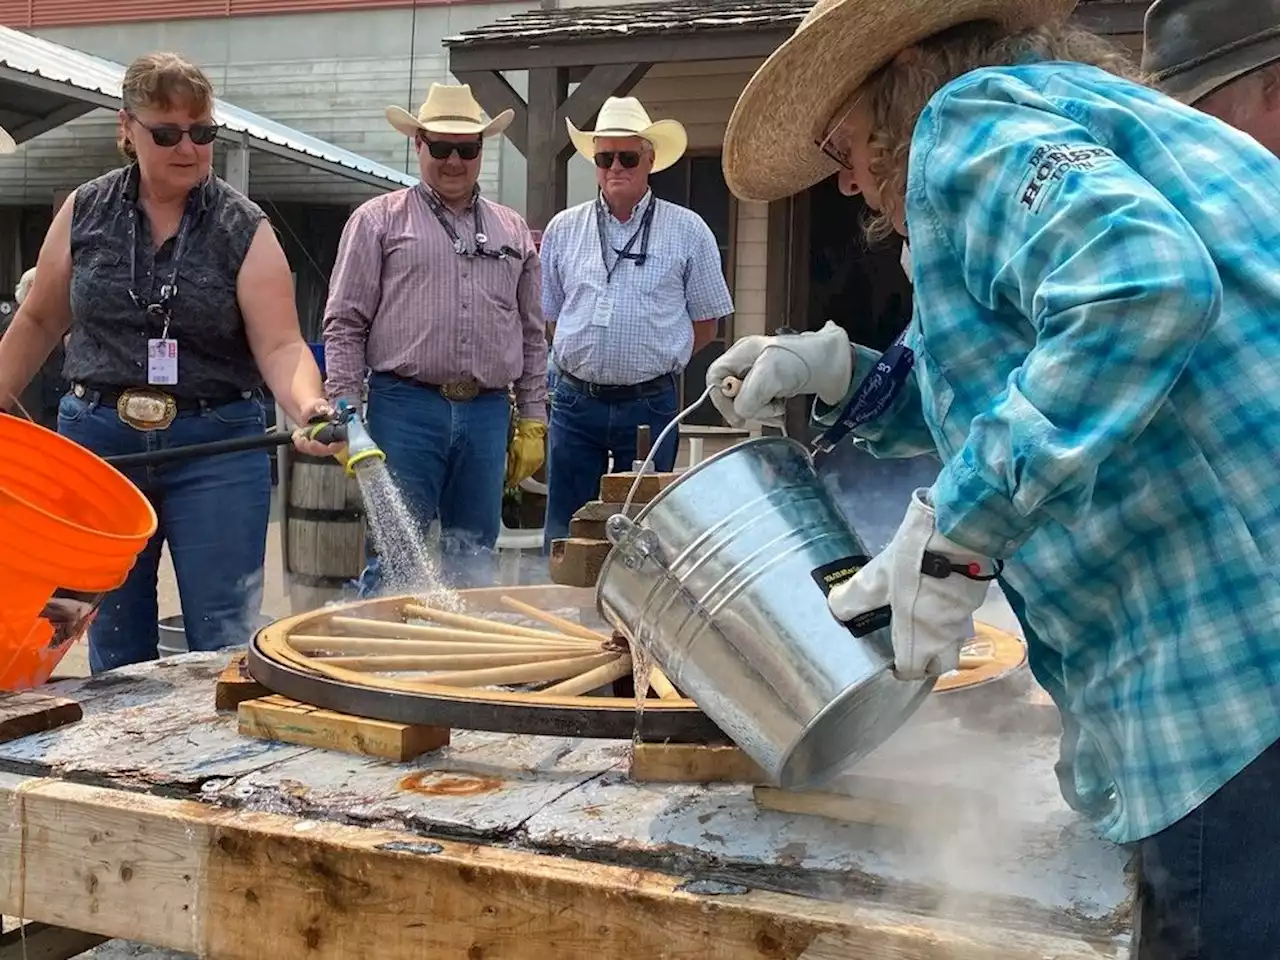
<point>235,686</point>
<point>603,510</point>
<point>614,487</point>
<point>25,713</point>
<point>878,802</point>
<point>576,562</point>
<point>279,718</point>
<point>587,529</point>
<point>692,763</point>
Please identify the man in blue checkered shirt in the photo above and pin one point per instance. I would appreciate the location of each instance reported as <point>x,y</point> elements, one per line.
<point>632,287</point>
<point>1095,357</point>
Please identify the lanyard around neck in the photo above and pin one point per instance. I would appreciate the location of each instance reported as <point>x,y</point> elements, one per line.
<point>159,308</point>
<point>460,247</point>
<point>642,232</point>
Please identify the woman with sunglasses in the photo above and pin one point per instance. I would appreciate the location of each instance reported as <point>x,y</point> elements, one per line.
<point>179,303</point>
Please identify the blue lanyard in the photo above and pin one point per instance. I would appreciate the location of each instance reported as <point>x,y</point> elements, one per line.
<point>873,396</point>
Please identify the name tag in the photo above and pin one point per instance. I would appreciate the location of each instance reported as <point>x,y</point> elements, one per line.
<point>162,362</point>
<point>603,315</point>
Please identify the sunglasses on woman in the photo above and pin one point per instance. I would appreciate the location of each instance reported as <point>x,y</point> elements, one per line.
<point>440,149</point>
<point>630,159</point>
<point>170,134</point>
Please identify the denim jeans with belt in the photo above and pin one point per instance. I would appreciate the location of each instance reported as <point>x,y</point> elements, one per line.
<point>448,458</point>
<point>212,511</point>
<point>585,429</point>
<point>1208,885</point>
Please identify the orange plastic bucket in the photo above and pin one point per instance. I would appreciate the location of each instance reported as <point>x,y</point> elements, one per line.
<point>71,529</point>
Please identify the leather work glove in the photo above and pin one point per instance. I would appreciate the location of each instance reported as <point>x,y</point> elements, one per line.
<point>932,586</point>
<point>775,369</point>
<point>527,450</point>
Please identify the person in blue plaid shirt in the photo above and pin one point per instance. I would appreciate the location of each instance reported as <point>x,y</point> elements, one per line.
<point>1094,356</point>
<point>632,287</point>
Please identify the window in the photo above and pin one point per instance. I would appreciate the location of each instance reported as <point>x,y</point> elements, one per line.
<point>697,182</point>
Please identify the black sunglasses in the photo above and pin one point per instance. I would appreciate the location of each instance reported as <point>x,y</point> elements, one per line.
<point>440,149</point>
<point>630,159</point>
<point>170,134</point>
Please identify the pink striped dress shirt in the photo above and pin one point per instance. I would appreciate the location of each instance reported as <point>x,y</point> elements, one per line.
<point>402,301</point>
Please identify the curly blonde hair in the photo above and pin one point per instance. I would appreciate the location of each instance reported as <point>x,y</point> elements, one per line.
<point>898,92</point>
<point>163,81</point>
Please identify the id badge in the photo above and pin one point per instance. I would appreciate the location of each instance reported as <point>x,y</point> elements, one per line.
<point>162,362</point>
<point>603,315</point>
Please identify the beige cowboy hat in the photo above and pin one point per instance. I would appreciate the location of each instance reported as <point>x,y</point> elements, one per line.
<point>625,117</point>
<point>449,108</point>
<point>770,148</point>
<point>7,143</point>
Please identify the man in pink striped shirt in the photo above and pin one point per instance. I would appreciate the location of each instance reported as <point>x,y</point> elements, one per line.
<point>436,294</point>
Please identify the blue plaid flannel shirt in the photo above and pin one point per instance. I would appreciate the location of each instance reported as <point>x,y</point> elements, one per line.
<point>1097,329</point>
<point>646,329</point>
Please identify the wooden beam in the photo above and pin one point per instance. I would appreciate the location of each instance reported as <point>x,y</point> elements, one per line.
<point>534,55</point>
<point>64,114</point>
<point>547,185</point>
<point>42,941</point>
<point>609,80</point>
<point>495,95</point>
<point>242,885</point>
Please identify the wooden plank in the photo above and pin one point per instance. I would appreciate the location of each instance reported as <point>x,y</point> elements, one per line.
<point>615,487</point>
<point>285,720</point>
<point>586,529</point>
<point>244,886</point>
<point>41,941</point>
<point>603,510</point>
<point>882,803</point>
<point>692,763</point>
<point>235,685</point>
<point>22,714</point>
<point>576,562</point>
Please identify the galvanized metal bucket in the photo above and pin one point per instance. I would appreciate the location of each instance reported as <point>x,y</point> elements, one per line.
<point>723,578</point>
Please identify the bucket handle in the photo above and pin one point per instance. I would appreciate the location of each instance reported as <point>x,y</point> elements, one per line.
<point>635,544</point>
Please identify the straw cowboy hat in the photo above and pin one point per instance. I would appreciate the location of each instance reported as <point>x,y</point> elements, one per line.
<point>770,148</point>
<point>1191,49</point>
<point>449,108</point>
<point>625,117</point>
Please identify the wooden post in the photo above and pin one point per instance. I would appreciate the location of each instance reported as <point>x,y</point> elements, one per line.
<point>548,176</point>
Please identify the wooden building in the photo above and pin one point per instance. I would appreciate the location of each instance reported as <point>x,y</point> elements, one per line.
<point>793,263</point>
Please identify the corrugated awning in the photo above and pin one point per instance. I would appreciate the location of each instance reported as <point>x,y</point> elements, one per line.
<point>44,84</point>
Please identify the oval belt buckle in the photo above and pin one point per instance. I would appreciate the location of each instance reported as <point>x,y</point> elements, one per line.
<point>461,391</point>
<point>146,410</point>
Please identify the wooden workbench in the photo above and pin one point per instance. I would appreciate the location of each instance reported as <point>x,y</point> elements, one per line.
<point>152,820</point>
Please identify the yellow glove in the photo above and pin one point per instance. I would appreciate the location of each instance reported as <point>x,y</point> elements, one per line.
<point>527,451</point>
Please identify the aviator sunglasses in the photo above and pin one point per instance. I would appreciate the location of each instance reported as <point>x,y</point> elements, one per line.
<point>440,149</point>
<point>170,134</point>
<point>630,159</point>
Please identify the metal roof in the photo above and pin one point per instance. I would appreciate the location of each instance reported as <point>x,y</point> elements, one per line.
<point>45,84</point>
<point>679,17</point>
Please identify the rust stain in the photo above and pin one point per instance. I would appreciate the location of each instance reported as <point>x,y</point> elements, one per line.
<point>433,784</point>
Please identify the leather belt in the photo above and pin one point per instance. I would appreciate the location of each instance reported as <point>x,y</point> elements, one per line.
<point>458,391</point>
<point>149,408</point>
<point>627,391</point>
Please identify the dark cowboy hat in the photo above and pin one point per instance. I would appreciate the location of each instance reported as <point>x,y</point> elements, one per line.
<point>1192,47</point>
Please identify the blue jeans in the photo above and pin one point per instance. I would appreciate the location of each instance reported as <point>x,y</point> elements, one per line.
<point>213,513</point>
<point>448,459</point>
<point>1208,885</point>
<point>584,431</point>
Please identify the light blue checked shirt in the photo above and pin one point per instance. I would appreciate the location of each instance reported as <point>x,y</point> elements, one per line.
<point>1097,327</point>
<point>639,325</point>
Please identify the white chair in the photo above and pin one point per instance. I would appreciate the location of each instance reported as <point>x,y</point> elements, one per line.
<point>513,543</point>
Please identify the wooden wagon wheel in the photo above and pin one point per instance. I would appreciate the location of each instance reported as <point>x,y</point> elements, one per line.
<point>505,664</point>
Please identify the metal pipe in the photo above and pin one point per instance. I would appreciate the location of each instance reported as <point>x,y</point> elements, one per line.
<point>237,445</point>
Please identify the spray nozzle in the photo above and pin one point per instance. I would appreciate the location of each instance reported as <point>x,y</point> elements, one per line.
<point>346,427</point>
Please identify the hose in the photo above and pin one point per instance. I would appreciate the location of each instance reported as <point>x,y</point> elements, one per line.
<point>239,444</point>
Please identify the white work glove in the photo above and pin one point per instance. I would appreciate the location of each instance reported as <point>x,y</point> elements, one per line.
<point>931,612</point>
<point>775,369</point>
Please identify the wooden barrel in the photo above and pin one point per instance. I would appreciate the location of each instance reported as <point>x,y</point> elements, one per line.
<point>325,529</point>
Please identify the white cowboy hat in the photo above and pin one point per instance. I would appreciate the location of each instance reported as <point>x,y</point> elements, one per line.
<point>7,143</point>
<point>770,144</point>
<point>449,108</point>
<point>625,117</point>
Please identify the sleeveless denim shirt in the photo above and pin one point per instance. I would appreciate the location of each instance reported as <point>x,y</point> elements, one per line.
<point>109,332</point>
